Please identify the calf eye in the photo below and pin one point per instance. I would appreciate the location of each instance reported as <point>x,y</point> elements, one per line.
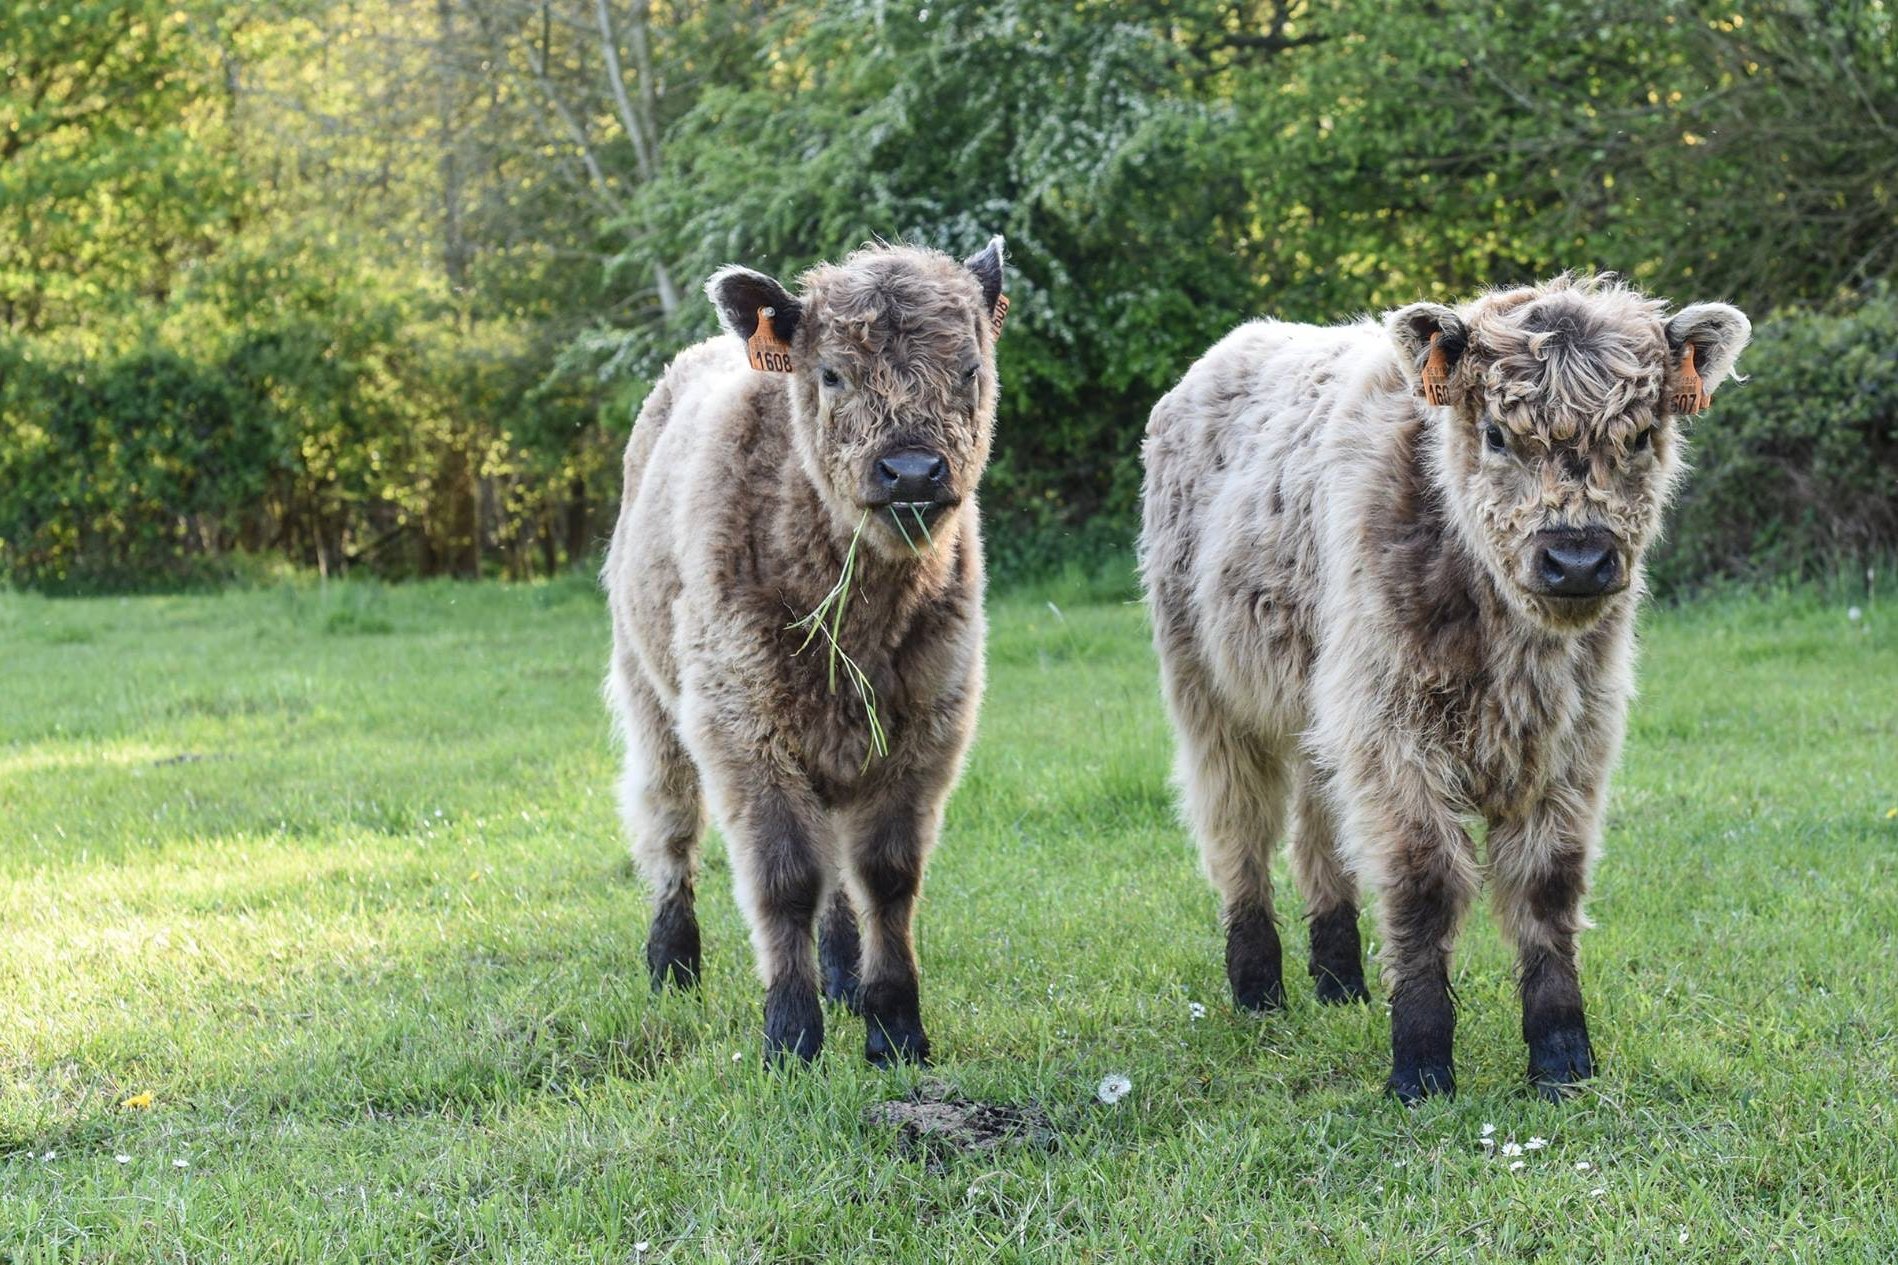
<point>1644,439</point>
<point>1493,438</point>
<point>831,378</point>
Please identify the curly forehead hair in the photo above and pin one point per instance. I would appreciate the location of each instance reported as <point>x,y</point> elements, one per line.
<point>1567,360</point>
<point>883,291</point>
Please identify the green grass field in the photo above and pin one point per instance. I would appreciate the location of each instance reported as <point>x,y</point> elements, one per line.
<point>333,876</point>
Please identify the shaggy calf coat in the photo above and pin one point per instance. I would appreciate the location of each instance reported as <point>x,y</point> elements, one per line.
<point>850,421</point>
<point>1393,571</point>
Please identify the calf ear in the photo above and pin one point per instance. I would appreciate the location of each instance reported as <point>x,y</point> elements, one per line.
<point>1430,342</point>
<point>1703,341</point>
<point>740,294</point>
<point>986,264</point>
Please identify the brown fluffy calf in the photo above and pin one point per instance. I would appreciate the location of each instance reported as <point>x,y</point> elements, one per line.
<point>1393,572</point>
<point>743,490</point>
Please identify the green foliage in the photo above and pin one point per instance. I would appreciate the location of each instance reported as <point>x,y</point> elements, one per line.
<point>1796,471</point>
<point>428,258</point>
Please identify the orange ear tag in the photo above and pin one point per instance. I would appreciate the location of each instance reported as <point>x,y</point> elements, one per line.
<point>1690,394</point>
<point>764,348</point>
<point>1436,375</point>
<point>998,315</point>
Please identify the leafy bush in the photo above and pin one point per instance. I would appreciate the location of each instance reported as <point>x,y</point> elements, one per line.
<point>1796,470</point>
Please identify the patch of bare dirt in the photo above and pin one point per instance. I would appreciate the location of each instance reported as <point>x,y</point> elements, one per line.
<point>934,1121</point>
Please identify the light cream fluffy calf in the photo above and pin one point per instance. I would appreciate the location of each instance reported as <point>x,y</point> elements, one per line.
<point>1388,616</point>
<point>743,491</point>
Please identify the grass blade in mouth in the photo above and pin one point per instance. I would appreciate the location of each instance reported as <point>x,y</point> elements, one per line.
<point>897,518</point>
<point>827,617</point>
<point>923,523</point>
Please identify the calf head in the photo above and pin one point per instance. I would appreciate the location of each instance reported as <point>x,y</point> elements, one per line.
<point>1557,428</point>
<point>891,360</point>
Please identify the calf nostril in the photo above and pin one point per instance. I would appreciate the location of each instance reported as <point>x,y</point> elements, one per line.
<point>938,470</point>
<point>1551,568</point>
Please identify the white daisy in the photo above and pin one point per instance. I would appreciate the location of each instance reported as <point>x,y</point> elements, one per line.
<point>1512,1148</point>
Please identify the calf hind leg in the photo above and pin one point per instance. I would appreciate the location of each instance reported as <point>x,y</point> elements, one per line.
<point>840,950</point>
<point>664,815</point>
<point>1337,954</point>
<point>1236,786</point>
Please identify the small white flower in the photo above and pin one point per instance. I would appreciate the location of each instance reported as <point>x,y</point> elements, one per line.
<point>737,1055</point>
<point>1683,1236</point>
<point>1582,1166</point>
<point>1597,1193</point>
<point>1516,1167</point>
<point>123,1158</point>
<point>1486,1141</point>
<point>1113,1088</point>
<point>1535,1144</point>
<point>1512,1148</point>
<point>49,1157</point>
<point>1488,1129</point>
<point>1196,1010</point>
<point>1854,614</point>
<point>642,1247</point>
<point>181,1163</point>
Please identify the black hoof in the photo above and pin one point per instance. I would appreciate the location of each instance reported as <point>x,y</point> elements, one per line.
<point>839,951</point>
<point>893,1025</point>
<point>1337,957</point>
<point>672,946</point>
<point>1411,1085</point>
<point>1252,961</point>
<point>793,1023</point>
<point>1333,991</point>
<point>1559,1061</point>
<point>884,1048</point>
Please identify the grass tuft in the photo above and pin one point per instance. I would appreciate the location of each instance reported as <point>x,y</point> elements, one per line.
<point>827,619</point>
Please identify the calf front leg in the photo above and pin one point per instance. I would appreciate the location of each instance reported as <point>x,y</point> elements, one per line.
<point>1427,879</point>
<point>885,870</point>
<point>1539,890</point>
<point>782,879</point>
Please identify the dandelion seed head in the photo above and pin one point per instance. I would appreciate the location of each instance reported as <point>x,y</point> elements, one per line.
<point>1113,1088</point>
